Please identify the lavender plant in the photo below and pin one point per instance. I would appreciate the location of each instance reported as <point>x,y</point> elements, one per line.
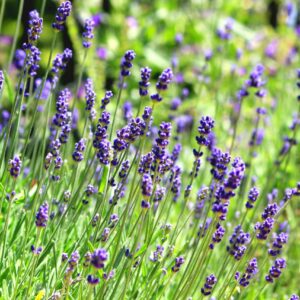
<point>129,182</point>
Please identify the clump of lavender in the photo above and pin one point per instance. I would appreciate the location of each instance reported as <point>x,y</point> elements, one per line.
<point>251,271</point>
<point>237,243</point>
<point>252,197</point>
<point>63,11</point>
<point>163,82</point>
<point>224,32</point>
<point>1,80</point>
<point>88,34</point>
<point>72,264</point>
<point>278,241</point>
<point>106,99</point>
<point>35,26</point>
<point>204,129</point>
<point>79,149</point>
<point>275,270</point>
<point>99,257</point>
<point>42,215</point>
<point>147,188</point>
<point>15,166</point>
<point>145,83</point>
<point>210,282</point>
<point>126,63</point>
<point>59,65</point>
<point>217,236</point>
<point>179,261</point>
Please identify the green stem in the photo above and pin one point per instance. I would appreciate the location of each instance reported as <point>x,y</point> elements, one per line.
<point>16,35</point>
<point>2,13</point>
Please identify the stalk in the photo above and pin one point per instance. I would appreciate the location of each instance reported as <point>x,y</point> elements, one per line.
<point>16,35</point>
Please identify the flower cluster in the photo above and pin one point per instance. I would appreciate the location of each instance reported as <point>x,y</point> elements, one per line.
<point>63,11</point>
<point>210,282</point>
<point>163,82</point>
<point>250,272</point>
<point>205,128</point>
<point>35,26</point>
<point>88,34</point>
<point>179,261</point>
<point>275,270</point>
<point>42,215</point>
<point>237,243</point>
<point>14,166</point>
<point>79,149</point>
<point>126,63</point>
<point>90,97</point>
<point>144,83</point>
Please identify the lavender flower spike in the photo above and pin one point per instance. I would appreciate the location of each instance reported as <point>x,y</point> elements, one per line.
<point>163,82</point>
<point>88,33</point>
<point>1,80</point>
<point>144,83</point>
<point>99,257</point>
<point>35,26</point>
<point>211,280</point>
<point>42,215</point>
<point>63,12</point>
<point>126,63</point>
<point>15,165</point>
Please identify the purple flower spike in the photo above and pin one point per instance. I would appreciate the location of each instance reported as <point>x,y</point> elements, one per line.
<point>88,33</point>
<point>211,280</point>
<point>92,280</point>
<point>63,11</point>
<point>35,26</point>
<point>144,83</point>
<point>251,271</point>
<point>126,63</point>
<point>42,215</point>
<point>179,261</point>
<point>275,270</point>
<point>15,165</point>
<point>99,256</point>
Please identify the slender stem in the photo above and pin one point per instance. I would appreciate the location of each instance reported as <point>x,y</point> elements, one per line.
<point>6,227</point>
<point>79,78</point>
<point>43,8</point>
<point>2,13</point>
<point>16,35</point>
<point>116,108</point>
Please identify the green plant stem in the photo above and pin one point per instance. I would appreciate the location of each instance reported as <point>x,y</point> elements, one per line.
<point>116,108</point>
<point>16,35</point>
<point>2,13</point>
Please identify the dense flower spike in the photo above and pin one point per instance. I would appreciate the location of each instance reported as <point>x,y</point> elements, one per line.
<point>263,229</point>
<point>275,270</point>
<point>210,282</point>
<point>92,280</point>
<point>14,166</point>
<point>205,128</point>
<point>106,99</point>
<point>163,82</point>
<point>99,257</point>
<point>238,242</point>
<point>219,161</point>
<point>88,34</point>
<point>35,26</point>
<point>1,80</point>
<point>145,83</point>
<point>42,215</point>
<point>278,241</point>
<point>147,188</point>
<point>217,236</point>
<point>179,261</point>
<point>33,59</point>
<point>63,11</point>
<point>59,65</point>
<point>251,271</point>
<point>126,63</point>
<point>252,197</point>
<point>79,149</point>
<point>62,104</point>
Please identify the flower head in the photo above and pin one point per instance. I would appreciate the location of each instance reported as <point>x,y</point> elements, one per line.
<point>63,11</point>
<point>42,215</point>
